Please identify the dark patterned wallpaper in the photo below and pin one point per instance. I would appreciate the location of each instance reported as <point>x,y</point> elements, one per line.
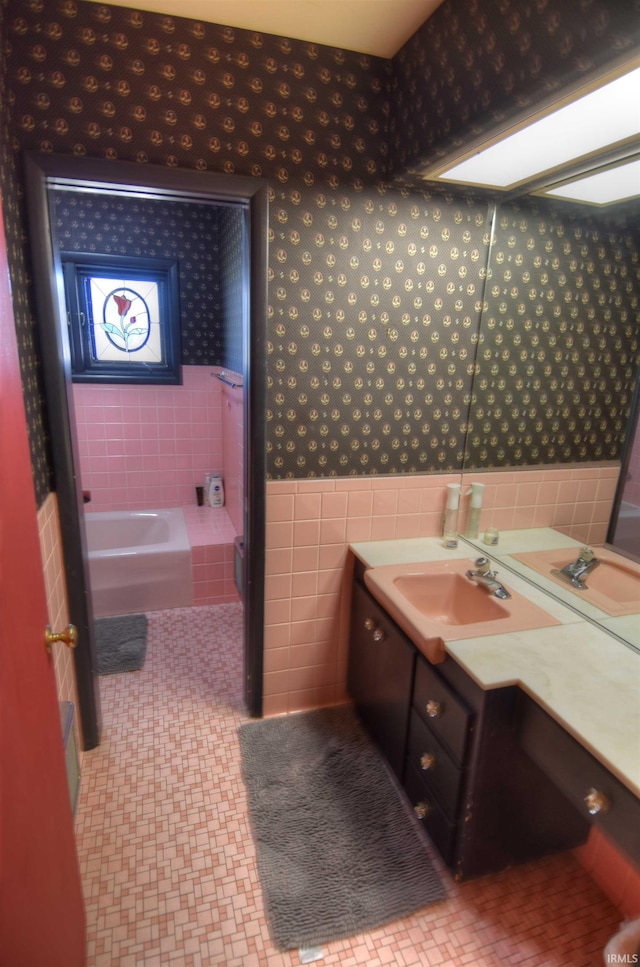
<point>112,82</point>
<point>376,298</point>
<point>477,63</point>
<point>103,225</point>
<point>374,293</point>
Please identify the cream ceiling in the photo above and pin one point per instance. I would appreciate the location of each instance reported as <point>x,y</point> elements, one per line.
<point>377,27</point>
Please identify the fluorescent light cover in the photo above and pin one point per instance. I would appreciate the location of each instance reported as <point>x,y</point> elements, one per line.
<point>604,117</point>
<point>613,184</point>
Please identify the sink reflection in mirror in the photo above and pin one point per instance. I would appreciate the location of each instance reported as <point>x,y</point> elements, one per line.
<point>613,586</point>
<point>435,602</point>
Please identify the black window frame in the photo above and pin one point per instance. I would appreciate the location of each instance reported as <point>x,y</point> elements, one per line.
<point>77,269</point>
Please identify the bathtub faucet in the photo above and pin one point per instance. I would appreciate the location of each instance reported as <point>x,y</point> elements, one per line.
<point>486,578</point>
<point>575,573</point>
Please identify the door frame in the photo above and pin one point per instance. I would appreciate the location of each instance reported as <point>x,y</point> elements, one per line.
<point>41,172</point>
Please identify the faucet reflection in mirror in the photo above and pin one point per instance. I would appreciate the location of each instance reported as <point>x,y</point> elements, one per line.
<point>576,572</point>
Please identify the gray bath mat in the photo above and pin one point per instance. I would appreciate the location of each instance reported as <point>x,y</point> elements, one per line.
<point>121,643</point>
<point>339,851</point>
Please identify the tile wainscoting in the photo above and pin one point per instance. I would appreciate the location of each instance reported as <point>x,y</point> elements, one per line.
<point>142,447</point>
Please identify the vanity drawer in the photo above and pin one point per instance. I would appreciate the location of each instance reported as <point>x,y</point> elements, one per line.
<point>598,795</point>
<point>432,762</point>
<point>444,711</point>
<point>428,810</point>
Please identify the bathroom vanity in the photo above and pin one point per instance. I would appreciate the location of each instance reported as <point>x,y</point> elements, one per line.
<point>494,743</point>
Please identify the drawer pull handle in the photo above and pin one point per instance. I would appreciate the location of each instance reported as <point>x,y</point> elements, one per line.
<point>369,624</point>
<point>421,810</point>
<point>596,802</point>
<point>379,635</point>
<point>433,709</point>
<point>427,761</point>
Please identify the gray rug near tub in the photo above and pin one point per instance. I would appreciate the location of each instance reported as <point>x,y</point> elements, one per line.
<point>121,643</point>
<point>339,850</point>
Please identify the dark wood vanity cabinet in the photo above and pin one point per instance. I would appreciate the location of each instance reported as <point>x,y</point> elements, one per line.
<point>597,794</point>
<point>509,811</point>
<point>380,676</point>
<point>483,801</point>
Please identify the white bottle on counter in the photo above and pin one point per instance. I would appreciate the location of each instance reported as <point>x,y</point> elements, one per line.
<point>216,490</point>
<point>450,522</point>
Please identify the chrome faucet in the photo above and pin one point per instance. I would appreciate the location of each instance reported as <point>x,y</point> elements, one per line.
<point>486,578</point>
<point>575,573</point>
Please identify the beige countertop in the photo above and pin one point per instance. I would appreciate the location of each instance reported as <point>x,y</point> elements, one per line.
<point>586,679</point>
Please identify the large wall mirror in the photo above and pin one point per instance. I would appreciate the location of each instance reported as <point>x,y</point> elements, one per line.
<point>557,367</point>
<point>558,356</point>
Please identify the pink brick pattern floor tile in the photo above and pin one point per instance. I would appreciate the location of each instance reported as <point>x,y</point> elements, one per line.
<point>168,861</point>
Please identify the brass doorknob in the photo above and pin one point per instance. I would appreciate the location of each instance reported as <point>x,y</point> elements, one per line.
<point>596,802</point>
<point>69,636</point>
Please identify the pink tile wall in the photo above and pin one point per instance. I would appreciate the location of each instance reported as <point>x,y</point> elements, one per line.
<point>310,524</point>
<point>576,501</point>
<point>211,533</point>
<point>143,447</point>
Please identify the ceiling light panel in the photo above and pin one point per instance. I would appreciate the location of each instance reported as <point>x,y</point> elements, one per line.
<point>602,188</point>
<point>604,117</point>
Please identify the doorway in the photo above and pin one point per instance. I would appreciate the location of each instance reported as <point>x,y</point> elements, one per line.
<point>124,179</point>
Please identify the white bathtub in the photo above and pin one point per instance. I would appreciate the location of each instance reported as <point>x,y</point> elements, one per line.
<point>139,560</point>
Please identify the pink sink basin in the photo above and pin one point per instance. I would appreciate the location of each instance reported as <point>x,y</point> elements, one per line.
<point>449,599</point>
<point>613,586</point>
<point>436,602</point>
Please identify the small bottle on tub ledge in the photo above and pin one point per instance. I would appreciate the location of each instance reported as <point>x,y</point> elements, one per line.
<point>216,490</point>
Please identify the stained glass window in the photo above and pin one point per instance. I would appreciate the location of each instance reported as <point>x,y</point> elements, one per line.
<point>123,319</point>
